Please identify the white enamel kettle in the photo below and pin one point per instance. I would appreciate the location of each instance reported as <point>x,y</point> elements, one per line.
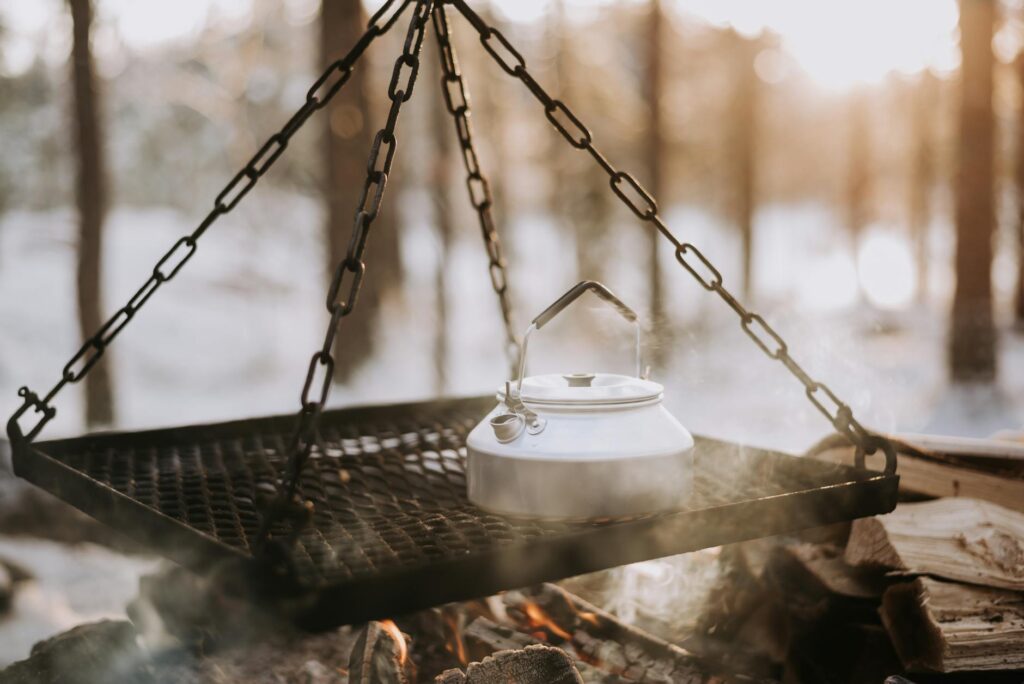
<point>580,445</point>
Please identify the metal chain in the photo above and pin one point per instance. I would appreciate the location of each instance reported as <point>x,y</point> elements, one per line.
<point>318,95</point>
<point>644,206</point>
<point>348,277</point>
<point>456,99</point>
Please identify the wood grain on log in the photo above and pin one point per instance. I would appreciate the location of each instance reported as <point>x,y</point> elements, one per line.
<point>484,637</point>
<point>532,665</point>
<point>959,539</point>
<point>606,642</point>
<point>950,627</point>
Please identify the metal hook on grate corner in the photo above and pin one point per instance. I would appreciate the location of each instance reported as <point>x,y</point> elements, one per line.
<point>632,194</point>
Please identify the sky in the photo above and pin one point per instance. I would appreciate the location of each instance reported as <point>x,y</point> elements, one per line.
<point>837,43</point>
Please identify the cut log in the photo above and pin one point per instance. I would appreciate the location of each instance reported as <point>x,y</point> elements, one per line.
<point>602,640</point>
<point>380,654</point>
<point>949,627</point>
<point>532,665</point>
<point>821,569</point>
<point>484,637</point>
<point>452,676</point>
<point>959,539</point>
<point>991,470</point>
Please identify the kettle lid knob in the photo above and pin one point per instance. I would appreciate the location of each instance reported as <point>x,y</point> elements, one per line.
<point>579,379</point>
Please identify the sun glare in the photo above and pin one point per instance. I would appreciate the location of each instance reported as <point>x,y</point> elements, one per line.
<point>840,43</point>
<point>836,42</point>
<point>886,268</point>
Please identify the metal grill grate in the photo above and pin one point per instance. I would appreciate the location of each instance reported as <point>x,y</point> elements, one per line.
<point>392,529</point>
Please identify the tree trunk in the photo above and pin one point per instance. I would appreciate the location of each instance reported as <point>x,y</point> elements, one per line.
<point>655,170</point>
<point>743,148</point>
<point>349,133</point>
<point>1018,303</point>
<point>973,339</point>
<point>922,174</point>
<point>90,187</point>
<point>440,181</point>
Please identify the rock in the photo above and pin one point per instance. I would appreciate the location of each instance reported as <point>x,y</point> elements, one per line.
<point>104,652</point>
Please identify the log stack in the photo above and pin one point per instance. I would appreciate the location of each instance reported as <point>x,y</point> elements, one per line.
<point>962,606</point>
<point>933,592</point>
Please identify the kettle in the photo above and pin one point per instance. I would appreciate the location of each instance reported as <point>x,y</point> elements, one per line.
<point>579,445</point>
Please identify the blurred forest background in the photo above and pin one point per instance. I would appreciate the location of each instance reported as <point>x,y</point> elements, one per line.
<point>855,170</point>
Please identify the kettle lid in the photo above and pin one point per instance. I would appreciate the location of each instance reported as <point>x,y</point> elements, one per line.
<point>588,389</point>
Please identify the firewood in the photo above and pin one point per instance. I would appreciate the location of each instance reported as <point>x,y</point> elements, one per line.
<point>605,641</point>
<point>452,676</point>
<point>484,637</point>
<point>824,567</point>
<point>380,655</point>
<point>812,583</point>
<point>950,627</point>
<point>532,665</point>
<point>959,539</point>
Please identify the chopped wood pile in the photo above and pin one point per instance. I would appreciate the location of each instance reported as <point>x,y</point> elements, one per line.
<point>964,609</point>
<point>934,587</point>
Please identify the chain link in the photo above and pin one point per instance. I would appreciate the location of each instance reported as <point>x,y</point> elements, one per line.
<point>319,94</point>
<point>457,100</point>
<point>348,279</point>
<point>643,205</point>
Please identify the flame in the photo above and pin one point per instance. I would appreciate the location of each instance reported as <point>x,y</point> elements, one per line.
<point>392,629</point>
<point>585,615</point>
<point>538,618</point>
<point>455,645</point>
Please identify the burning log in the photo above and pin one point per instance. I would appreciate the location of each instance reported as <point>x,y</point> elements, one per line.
<point>380,654</point>
<point>602,640</point>
<point>949,627</point>
<point>484,637</point>
<point>965,540</point>
<point>535,664</point>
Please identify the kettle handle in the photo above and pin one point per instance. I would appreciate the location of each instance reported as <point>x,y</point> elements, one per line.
<point>574,293</point>
<point>564,301</point>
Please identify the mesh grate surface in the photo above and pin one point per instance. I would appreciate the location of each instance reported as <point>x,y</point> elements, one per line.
<point>390,493</point>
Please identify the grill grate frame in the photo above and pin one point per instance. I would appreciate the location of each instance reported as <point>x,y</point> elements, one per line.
<point>396,532</point>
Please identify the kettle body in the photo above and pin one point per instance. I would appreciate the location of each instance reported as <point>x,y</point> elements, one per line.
<point>590,461</point>
<point>582,445</point>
